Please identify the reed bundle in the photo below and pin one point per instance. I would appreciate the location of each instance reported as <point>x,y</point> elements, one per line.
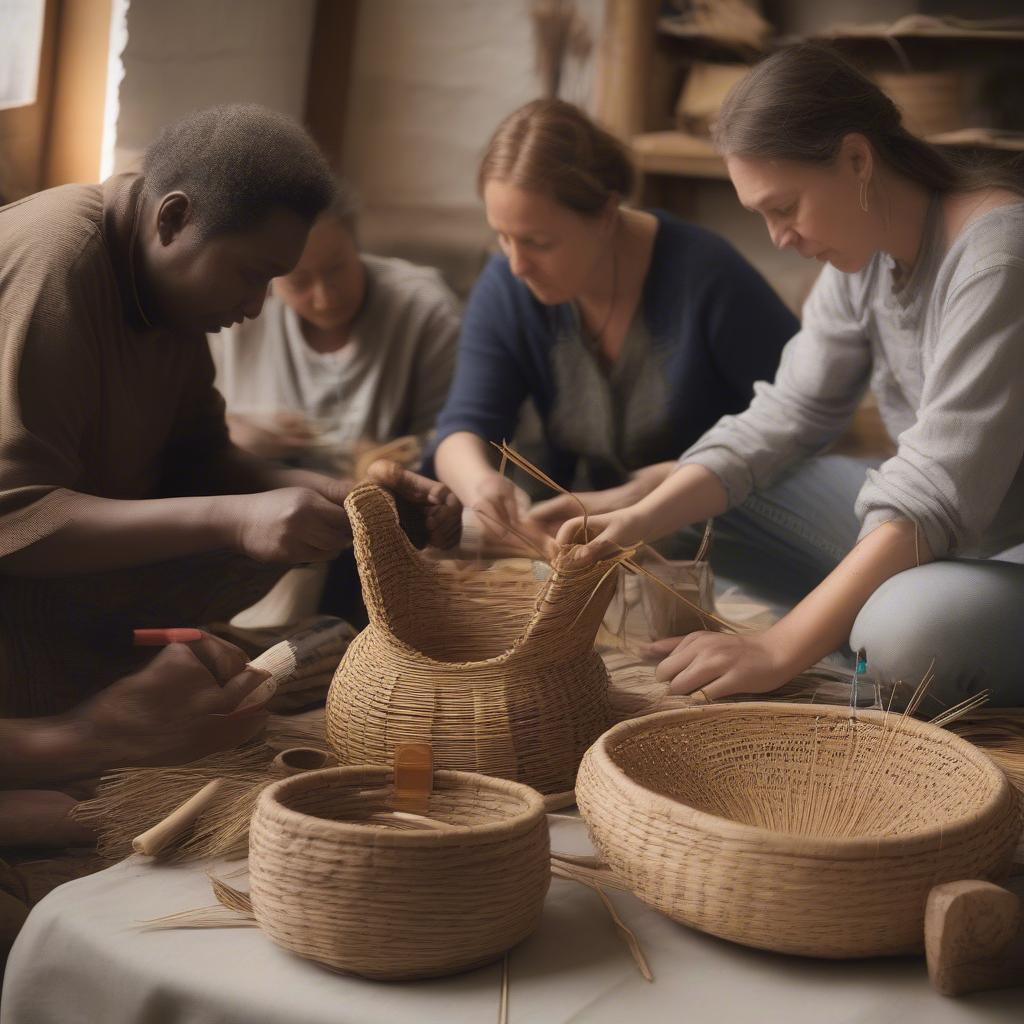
<point>511,688</point>
<point>802,829</point>
<point>1000,733</point>
<point>131,802</point>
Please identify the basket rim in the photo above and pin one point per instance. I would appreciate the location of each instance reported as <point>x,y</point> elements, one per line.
<point>355,833</point>
<point>684,814</point>
<point>561,572</point>
<point>510,652</point>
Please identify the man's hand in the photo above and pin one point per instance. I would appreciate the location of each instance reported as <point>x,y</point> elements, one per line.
<point>176,709</point>
<point>428,511</point>
<point>39,817</point>
<point>290,525</point>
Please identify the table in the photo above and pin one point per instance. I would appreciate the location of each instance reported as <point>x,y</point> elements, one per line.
<point>82,959</point>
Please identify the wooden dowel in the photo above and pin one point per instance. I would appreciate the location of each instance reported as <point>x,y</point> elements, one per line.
<point>154,839</point>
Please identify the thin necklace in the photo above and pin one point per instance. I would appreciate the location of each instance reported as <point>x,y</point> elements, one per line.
<point>597,335</point>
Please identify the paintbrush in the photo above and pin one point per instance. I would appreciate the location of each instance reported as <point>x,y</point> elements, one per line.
<point>294,655</point>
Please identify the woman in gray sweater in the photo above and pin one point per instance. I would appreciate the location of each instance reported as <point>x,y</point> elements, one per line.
<point>917,557</point>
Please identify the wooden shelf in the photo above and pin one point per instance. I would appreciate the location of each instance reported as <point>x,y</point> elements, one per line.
<point>677,153</point>
<point>688,156</point>
<point>980,138</point>
<point>916,26</point>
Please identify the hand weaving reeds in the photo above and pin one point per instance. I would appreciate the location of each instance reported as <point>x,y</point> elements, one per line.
<point>705,616</point>
<point>801,829</point>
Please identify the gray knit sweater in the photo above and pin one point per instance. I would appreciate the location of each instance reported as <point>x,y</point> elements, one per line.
<point>944,356</point>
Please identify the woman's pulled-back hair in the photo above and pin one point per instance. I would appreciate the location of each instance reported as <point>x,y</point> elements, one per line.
<point>552,147</point>
<point>799,104</point>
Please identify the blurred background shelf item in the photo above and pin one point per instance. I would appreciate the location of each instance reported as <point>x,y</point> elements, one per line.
<point>981,138</point>
<point>675,152</point>
<point>924,26</point>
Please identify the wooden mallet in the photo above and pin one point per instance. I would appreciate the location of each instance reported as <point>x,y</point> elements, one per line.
<point>973,938</point>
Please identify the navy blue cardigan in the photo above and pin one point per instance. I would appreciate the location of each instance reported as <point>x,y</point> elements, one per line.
<point>721,326</point>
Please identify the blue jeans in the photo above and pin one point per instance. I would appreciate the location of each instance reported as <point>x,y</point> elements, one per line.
<point>967,614</point>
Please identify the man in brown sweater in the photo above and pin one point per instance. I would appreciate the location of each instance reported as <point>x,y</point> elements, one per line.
<point>122,501</point>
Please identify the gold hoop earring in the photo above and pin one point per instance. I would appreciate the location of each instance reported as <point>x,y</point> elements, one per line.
<point>864,196</point>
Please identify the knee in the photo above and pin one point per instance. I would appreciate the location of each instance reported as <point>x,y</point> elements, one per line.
<point>936,613</point>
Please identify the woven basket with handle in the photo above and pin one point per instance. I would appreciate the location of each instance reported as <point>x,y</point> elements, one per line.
<point>796,828</point>
<point>337,877</point>
<point>502,682</point>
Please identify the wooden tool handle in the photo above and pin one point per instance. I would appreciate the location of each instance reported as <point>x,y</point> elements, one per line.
<point>973,938</point>
<point>153,840</point>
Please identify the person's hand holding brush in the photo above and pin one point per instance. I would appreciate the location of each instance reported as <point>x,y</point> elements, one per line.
<point>173,710</point>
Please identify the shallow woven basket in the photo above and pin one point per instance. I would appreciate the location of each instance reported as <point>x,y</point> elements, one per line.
<point>795,828</point>
<point>499,680</point>
<point>331,885</point>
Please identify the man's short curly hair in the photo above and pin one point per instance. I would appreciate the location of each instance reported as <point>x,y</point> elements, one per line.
<point>237,163</point>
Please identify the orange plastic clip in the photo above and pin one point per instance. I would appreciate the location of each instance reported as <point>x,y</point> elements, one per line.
<point>414,777</point>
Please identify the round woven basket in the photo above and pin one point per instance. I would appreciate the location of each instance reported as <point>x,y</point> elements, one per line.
<point>795,828</point>
<point>500,681</point>
<point>334,884</point>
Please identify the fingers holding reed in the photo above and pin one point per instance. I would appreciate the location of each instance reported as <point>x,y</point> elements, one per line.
<point>601,536</point>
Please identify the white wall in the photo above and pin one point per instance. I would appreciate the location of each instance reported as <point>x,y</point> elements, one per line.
<point>431,80</point>
<point>182,55</point>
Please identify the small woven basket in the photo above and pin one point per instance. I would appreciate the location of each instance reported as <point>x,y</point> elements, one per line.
<point>333,884</point>
<point>796,828</point>
<point>503,681</point>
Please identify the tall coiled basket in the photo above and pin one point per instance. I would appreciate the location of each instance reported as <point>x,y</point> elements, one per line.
<point>505,682</point>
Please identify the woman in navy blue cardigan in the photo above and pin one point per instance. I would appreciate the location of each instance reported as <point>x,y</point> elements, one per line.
<point>632,331</point>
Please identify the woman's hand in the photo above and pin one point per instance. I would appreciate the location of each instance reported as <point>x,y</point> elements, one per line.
<point>554,512</point>
<point>551,515</point>
<point>721,664</point>
<point>500,507</point>
<point>610,533</point>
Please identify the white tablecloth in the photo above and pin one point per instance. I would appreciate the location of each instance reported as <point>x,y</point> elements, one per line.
<point>81,959</point>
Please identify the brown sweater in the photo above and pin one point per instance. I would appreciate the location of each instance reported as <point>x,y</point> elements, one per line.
<point>93,401</point>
